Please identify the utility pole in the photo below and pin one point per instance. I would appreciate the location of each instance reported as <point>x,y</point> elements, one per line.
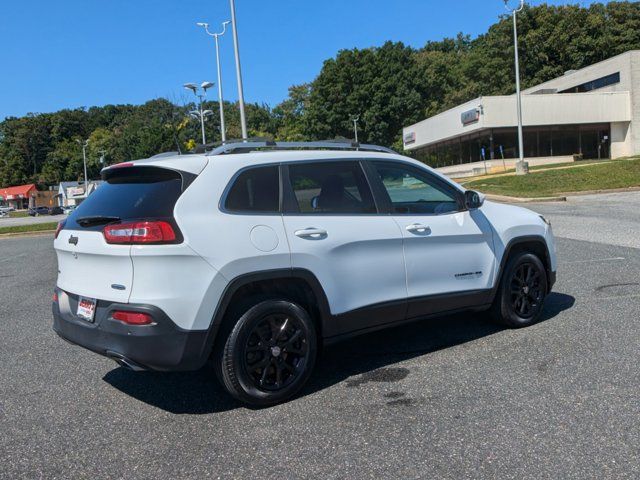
<point>520,165</point>
<point>223,130</point>
<point>84,146</point>
<point>236,48</point>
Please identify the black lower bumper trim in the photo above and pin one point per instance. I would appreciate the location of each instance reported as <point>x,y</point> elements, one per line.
<point>162,346</point>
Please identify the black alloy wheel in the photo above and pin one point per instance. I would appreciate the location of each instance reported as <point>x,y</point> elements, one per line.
<point>526,290</point>
<point>276,352</point>
<point>269,354</point>
<point>522,291</point>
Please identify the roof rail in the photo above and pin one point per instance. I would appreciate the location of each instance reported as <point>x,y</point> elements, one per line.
<point>255,145</point>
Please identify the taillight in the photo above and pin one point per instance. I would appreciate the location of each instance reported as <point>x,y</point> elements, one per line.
<point>59,228</point>
<point>54,297</point>
<point>121,165</point>
<point>132,318</point>
<point>139,232</point>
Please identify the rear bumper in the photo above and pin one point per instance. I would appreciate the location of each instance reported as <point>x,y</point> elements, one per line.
<point>161,346</point>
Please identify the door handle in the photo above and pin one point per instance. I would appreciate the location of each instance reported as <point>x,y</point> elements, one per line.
<point>312,233</point>
<point>418,228</point>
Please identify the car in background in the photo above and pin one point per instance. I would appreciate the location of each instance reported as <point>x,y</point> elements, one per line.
<point>6,209</point>
<point>34,212</point>
<point>68,210</point>
<point>55,210</point>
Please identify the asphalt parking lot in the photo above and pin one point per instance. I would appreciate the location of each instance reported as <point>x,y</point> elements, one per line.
<point>455,397</point>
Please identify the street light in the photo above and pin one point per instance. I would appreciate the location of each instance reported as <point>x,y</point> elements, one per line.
<point>520,165</point>
<point>200,112</point>
<point>220,99</point>
<point>84,146</point>
<point>236,48</point>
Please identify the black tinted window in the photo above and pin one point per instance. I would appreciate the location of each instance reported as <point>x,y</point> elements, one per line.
<point>132,193</point>
<point>331,187</point>
<point>413,191</point>
<point>255,190</point>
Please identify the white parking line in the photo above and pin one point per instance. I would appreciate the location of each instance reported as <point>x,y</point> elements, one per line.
<point>612,259</point>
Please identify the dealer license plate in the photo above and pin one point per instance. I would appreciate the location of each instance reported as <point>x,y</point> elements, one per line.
<point>87,308</point>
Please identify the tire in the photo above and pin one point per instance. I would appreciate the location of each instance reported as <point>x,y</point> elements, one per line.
<point>521,293</point>
<point>269,354</point>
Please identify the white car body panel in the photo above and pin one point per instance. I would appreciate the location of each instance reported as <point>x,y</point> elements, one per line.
<point>359,262</point>
<point>455,254</point>
<point>92,267</point>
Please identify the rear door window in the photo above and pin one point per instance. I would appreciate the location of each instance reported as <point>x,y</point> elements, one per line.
<point>256,190</point>
<point>331,188</point>
<point>131,194</point>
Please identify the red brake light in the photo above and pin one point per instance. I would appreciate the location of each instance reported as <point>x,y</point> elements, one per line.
<point>139,232</point>
<point>121,165</point>
<point>132,318</point>
<point>59,228</point>
<point>54,298</point>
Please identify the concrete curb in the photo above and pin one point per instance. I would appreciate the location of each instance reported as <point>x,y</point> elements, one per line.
<point>27,234</point>
<point>596,192</point>
<point>505,199</point>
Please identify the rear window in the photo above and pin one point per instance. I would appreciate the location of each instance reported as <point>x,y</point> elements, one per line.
<point>130,194</point>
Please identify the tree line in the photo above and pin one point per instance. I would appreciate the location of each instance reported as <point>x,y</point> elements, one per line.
<point>387,87</point>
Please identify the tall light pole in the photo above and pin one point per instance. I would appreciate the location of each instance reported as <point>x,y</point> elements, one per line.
<point>84,146</point>
<point>236,48</point>
<point>520,165</point>
<point>355,127</point>
<point>223,130</point>
<point>200,113</point>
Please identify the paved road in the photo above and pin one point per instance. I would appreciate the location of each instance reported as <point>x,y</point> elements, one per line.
<point>452,398</point>
<point>10,222</point>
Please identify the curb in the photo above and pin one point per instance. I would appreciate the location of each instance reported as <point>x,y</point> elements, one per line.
<point>596,192</point>
<point>27,234</point>
<point>504,198</point>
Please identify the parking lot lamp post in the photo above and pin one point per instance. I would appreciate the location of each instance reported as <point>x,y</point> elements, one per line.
<point>200,113</point>
<point>236,48</point>
<point>520,166</point>
<point>84,146</point>
<point>223,131</point>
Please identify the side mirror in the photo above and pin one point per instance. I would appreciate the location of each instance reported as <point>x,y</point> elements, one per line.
<point>473,199</point>
<point>315,202</point>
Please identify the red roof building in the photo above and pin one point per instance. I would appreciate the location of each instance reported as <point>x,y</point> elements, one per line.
<point>18,197</point>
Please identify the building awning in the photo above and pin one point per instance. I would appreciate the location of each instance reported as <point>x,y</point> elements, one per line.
<point>14,193</point>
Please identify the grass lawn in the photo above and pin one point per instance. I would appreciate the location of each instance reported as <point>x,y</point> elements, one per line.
<point>36,227</point>
<point>619,174</point>
<point>21,213</point>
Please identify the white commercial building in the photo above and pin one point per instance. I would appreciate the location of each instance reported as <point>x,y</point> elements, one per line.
<point>588,113</point>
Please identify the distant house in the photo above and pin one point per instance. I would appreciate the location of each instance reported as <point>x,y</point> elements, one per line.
<point>73,193</point>
<point>20,197</point>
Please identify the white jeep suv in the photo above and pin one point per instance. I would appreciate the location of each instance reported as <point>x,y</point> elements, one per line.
<point>252,255</point>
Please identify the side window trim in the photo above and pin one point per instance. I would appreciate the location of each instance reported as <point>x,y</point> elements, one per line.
<point>290,202</point>
<point>382,191</point>
<point>227,189</point>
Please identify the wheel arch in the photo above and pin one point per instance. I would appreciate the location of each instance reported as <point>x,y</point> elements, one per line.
<point>299,285</point>
<point>535,244</point>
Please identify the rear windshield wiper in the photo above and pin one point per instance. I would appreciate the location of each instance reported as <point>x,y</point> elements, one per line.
<point>96,220</point>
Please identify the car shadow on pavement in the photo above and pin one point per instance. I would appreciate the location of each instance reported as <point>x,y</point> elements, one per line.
<point>363,359</point>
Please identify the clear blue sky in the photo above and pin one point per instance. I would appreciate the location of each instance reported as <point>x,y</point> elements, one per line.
<point>73,53</point>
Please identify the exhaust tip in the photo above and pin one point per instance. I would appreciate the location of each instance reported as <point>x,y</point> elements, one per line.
<point>125,362</point>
